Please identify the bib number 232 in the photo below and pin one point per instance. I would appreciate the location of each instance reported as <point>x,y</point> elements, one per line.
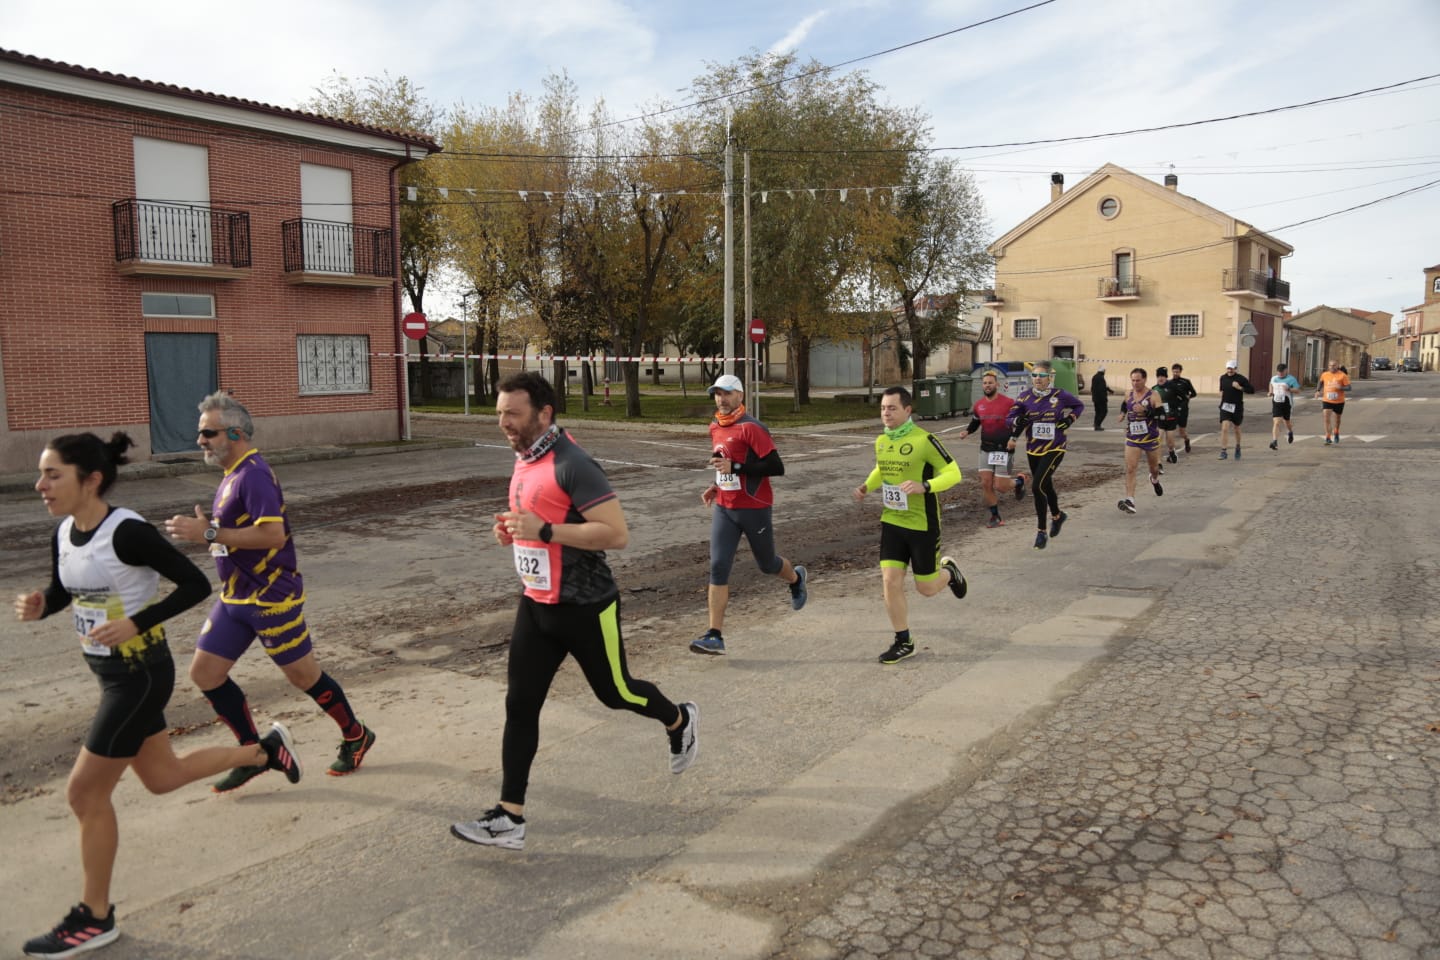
<point>533,565</point>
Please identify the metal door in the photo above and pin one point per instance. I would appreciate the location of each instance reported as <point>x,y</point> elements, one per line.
<point>1262,355</point>
<point>182,371</point>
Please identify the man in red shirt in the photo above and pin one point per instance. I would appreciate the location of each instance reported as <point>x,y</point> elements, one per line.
<point>740,501</point>
<point>996,458</point>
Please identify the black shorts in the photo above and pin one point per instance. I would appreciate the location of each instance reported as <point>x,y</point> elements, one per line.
<point>1170,423</point>
<point>1280,411</point>
<point>1182,417</point>
<point>1336,408</point>
<point>132,708</point>
<point>1234,416</point>
<point>917,549</point>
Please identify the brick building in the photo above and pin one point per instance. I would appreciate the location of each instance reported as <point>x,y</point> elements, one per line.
<point>158,243</point>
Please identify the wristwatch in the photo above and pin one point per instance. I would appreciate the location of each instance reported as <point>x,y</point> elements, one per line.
<point>926,485</point>
<point>546,532</point>
<point>211,532</point>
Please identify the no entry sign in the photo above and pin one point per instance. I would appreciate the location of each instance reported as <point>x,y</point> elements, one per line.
<point>413,325</point>
<point>757,330</point>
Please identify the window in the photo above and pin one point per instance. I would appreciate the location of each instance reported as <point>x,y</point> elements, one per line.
<point>1027,329</point>
<point>1109,208</point>
<point>1184,324</point>
<point>177,305</point>
<point>1114,327</point>
<point>334,364</point>
<point>1436,287</point>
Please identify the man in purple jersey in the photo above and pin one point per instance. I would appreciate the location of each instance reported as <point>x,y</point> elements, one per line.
<point>1042,414</point>
<point>261,592</point>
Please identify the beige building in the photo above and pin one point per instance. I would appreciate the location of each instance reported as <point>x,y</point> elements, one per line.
<point>1124,272</point>
<point>1322,334</point>
<point>1423,318</point>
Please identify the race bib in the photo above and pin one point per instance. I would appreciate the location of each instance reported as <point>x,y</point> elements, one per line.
<point>1279,396</point>
<point>1139,428</point>
<point>1042,431</point>
<point>727,481</point>
<point>893,497</point>
<point>533,565</point>
<point>88,616</point>
<point>1332,396</point>
<point>1228,407</point>
<point>998,458</point>
<point>219,550</point>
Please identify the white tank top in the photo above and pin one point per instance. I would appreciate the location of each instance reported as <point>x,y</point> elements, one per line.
<point>103,587</point>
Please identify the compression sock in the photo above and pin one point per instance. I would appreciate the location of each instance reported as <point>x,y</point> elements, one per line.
<point>902,636</point>
<point>228,702</point>
<point>331,698</point>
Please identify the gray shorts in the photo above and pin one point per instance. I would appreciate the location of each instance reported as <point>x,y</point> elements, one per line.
<point>999,469</point>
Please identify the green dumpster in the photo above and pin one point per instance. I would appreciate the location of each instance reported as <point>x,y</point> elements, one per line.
<point>932,398</point>
<point>960,399</point>
<point>1065,375</point>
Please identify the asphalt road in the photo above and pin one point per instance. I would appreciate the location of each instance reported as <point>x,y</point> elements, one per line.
<point>1048,777</point>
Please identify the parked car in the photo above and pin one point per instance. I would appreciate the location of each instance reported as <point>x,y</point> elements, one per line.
<point>1381,363</point>
<point>1410,365</point>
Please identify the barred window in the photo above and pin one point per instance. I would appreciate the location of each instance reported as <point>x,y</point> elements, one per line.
<point>333,364</point>
<point>1114,327</point>
<point>1184,324</point>
<point>1027,329</point>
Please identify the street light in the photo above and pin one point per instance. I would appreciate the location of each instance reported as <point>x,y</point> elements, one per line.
<point>465,346</point>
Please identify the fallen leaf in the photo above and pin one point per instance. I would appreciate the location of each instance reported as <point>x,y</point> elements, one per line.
<point>1252,696</point>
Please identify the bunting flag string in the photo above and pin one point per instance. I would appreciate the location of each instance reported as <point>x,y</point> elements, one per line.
<point>551,358</point>
<point>413,194</point>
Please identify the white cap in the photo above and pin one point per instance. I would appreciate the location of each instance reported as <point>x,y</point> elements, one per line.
<point>1230,365</point>
<point>727,382</point>
<point>1099,369</point>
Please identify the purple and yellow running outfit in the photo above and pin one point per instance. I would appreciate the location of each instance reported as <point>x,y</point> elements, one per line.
<point>1141,430</point>
<point>261,592</point>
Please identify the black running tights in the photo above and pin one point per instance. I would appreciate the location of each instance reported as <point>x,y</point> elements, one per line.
<point>1042,470</point>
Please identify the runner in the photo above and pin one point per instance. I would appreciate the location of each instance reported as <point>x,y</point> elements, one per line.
<point>1184,392</point>
<point>1282,395</point>
<point>911,466</point>
<point>1233,387</point>
<point>740,502</point>
<point>106,564</point>
<point>996,456</point>
<point>563,516</point>
<point>1043,414</point>
<point>1334,385</point>
<point>1169,401</point>
<point>261,591</point>
<point>1142,409</point>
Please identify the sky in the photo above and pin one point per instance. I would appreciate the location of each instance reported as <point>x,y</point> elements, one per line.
<point>1062,69</point>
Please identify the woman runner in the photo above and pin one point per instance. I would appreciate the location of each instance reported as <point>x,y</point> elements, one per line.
<point>1141,409</point>
<point>106,564</point>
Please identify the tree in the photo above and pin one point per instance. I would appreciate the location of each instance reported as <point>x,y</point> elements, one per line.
<point>930,241</point>
<point>396,104</point>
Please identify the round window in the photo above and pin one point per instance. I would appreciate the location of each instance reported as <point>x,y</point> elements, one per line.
<point>1109,207</point>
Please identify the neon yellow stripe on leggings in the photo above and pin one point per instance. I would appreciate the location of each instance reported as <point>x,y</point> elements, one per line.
<point>610,629</point>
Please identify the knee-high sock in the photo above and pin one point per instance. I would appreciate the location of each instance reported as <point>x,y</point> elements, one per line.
<point>228,702</point>
<point>331,698</point>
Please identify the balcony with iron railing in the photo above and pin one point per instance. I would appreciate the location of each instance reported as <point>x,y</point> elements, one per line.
<point>1117,289</point>
<point>1277,290</point>
<point>1244,283</point>
<point>154,238</point>
<point>338,254</point>
<point>995,296</point>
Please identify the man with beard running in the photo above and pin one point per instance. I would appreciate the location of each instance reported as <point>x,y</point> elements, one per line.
<point>1043,414</point>
<point>563,515</point>
<point>996,453</point>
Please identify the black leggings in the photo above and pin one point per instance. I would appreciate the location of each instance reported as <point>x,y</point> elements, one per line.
<point>544,633</point>
<point>1042,471</point>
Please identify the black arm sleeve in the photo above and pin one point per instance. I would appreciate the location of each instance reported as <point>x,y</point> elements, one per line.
<point>57,598</point>
<point>141,545</point>
<point>767,466</point>
<point>974,425</point>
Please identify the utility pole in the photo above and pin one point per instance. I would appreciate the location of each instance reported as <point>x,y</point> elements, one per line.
<point>729,366</point>
<point>749,302</point>
<point>465,347</point>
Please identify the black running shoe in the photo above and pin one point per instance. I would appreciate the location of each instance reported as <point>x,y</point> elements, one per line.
<point>685,741</point>
<point>1159,490</point>
<point>81,930</point>
<point>1040,539</point>
<point>236,778</point>
<point>899,650</point>
<point>1274,444</point>
<point>958,586</point>
<point>281,751</point>
<point>1126,506</point>
<point>1172,458</point>
<point>1019,488</point>
<point>1187,444</point>
<point>1057,522</point>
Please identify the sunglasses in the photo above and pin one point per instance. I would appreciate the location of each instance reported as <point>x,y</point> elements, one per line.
<point>211,434</point>
<point>1041,376</point>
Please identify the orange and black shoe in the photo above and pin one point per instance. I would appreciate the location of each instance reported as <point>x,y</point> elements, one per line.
<point>352,753</point>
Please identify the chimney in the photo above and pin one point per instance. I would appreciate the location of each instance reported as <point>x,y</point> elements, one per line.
<point>1172,182</point>
<point>1057,186</point>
